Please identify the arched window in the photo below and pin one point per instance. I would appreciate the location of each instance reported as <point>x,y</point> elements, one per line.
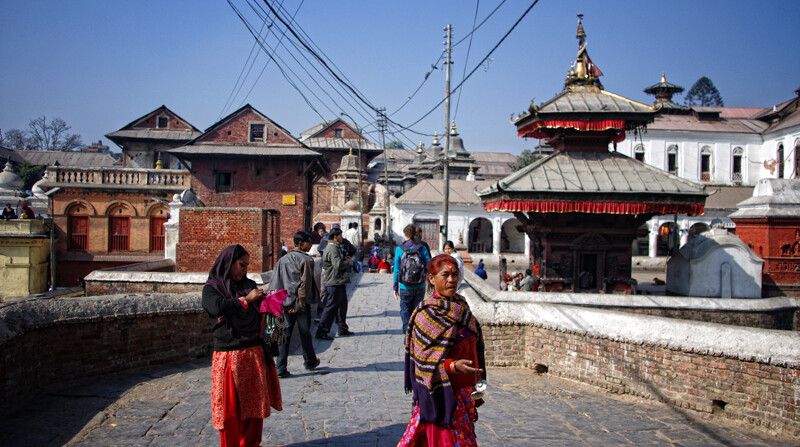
<point>672,159</point>
<point>119,229</point>
<point>638,152</point>
<point>78,227</point>
<point>158,217</point>
<point>737,165</point>
<point>779,157</point>
<point>705,164</point>
<point>797,159</point>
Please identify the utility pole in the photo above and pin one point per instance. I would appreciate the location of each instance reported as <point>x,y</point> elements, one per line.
<point>382,128</point>
<point>445,159</point>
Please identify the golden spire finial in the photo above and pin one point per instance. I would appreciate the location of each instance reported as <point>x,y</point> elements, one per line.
<point>453,128</point>
<point>470,169</point>
<point>419,148</point>
<point>580,34</point>
<point>391,155</point>
<point>436,137</point>
<point>663,78</point>
<point>351,151</point>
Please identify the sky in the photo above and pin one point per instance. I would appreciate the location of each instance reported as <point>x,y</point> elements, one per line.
<point>100,64</point>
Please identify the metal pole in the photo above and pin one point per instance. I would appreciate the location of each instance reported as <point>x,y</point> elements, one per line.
<point>446,160</point>
<point>382,128</point>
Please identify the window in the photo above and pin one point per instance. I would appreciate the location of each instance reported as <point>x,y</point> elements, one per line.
<point>157,232</point>
<point>224,182</point>
<point>338,132</point>
<point>705,164</point>
<point>672,160</point>
<point>638,153</point>
<point>256,132</point>
<point>737,164</point>
<point>78,229</point>
<point>119,229</point>
<point>162,122</point>
<point>779,156</point>
<point>797,159</point>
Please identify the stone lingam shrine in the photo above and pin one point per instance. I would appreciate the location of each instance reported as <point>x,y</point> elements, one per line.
<point>583,205</point>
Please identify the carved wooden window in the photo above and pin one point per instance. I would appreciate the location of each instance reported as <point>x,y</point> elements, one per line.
<point>705,164</point>
<point>257,132</point>
<point>672,160</point>
<point>162,122</point>
<point>797,159</point>
<point>779,157</point>
<point>78,230</point>
<point>338,132</point>
<point>157,232</point>
<point>737,164</point>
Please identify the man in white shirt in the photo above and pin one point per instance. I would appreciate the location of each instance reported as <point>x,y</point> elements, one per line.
<point>352,234</point>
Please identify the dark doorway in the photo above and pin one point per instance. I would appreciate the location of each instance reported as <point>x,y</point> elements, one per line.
<point>587,272</point>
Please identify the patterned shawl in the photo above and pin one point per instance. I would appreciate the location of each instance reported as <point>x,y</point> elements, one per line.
<point>431,334</point>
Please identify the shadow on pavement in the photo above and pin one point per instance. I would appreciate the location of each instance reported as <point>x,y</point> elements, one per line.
<point>388,435</point>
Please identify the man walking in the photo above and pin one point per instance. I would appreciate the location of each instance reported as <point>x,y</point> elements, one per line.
<point>334,268</point>
<point>411,259</point>
<point>294,272</point>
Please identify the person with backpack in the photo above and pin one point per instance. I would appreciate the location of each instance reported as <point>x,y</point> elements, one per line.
<point>411,260</point>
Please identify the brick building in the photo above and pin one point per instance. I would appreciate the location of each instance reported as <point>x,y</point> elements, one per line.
<point>334,140</point>
<point>247,160</point>
<point>110,215</point>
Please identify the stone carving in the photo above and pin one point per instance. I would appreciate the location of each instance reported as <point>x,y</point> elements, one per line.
<point>792,248</point>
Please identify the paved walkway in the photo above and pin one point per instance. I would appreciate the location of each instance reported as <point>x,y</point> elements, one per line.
<point>355,399</point>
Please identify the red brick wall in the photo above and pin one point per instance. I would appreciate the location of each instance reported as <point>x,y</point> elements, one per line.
<point>76,347</point>
<point>759,395</point>
<point>205,232</point>
<point>777,241</point>
<point>257,183</point>
<point>237,130</point>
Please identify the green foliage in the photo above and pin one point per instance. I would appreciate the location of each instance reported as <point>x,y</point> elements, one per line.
<point>525,158</point>
<point>395,145</point>
<point>30,174</point>
<point>703,93</point>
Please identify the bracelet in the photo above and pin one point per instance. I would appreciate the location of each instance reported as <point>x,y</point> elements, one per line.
<point>450,366</point>
<point>243,300</point>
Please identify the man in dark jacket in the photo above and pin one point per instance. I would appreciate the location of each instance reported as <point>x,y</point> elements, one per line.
<point>294,272</point>
<point>334,269</point>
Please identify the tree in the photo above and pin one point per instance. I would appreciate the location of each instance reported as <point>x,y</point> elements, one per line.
<point>14,139</point>
<point>43,136</point>
<point>703,93</point>
<point>525,158</point>
<point>394,145</point>
<point>29,173</point>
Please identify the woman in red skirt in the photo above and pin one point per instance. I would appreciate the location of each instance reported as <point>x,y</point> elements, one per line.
<point>444,358</point>
<point>244,378</point>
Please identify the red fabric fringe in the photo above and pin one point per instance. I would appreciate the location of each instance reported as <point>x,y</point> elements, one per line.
<point>533,129</point>
<point>593,207</point>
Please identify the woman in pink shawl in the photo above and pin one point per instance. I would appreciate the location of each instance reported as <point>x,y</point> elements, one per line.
<point>244,381</point>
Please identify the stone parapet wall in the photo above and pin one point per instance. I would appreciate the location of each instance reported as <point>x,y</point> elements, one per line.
<point>742,375</point>
<point>49,343</point>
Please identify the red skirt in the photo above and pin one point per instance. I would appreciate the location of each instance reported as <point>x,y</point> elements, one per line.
<point>460,432</point>
<point>256,383</point>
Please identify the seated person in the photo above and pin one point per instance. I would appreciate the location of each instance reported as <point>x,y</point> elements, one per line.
<point>373,263</point>
<point>384,267</point>
<point>9,213</point>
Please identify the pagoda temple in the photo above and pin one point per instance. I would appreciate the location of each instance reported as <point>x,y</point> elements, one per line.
<point>583,205</point>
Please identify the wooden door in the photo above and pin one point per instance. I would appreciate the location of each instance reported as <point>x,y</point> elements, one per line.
<point>430,232</point>
<point>157,233</point>
<point>119,229</point>
<point>78,232</point>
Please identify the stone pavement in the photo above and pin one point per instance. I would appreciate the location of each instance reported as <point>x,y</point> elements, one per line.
<point>356,398</point>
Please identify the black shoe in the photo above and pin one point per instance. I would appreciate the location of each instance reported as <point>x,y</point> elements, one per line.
<point>346,333</point>
<point>313,365</point>
<point>284,374</point>
<point>316,320</point>
<point>323,336</point>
